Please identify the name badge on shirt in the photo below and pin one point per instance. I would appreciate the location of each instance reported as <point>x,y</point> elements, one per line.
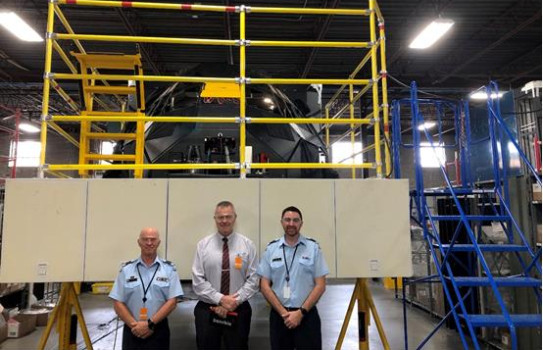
<point>162,279</point>
<point>143,314</point>
<point>238,262</point>
<point>286,291</point>
<point>132,279</point>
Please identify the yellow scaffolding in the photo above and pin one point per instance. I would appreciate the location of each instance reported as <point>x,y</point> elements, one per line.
<point>90,76</point>
<point>96,83</point>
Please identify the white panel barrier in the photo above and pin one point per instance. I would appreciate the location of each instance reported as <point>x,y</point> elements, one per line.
<point>80,230</point>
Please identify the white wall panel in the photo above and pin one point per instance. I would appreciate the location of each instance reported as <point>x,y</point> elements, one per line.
<point>314,198</point>
<point>83,229</point>
<point>117,211</point>
<point>372,228</point>
<point>190,214</point>
<point>44,230</point>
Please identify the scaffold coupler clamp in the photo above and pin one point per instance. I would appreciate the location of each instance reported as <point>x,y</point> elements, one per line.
<point>243,8</point>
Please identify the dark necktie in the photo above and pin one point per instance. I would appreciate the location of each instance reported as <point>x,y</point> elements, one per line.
<point>225,274</point>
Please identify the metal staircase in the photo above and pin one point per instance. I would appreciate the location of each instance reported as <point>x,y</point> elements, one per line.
<point>469,248</point>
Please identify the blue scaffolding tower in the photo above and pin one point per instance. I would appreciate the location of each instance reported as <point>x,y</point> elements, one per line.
<point>460,289</point>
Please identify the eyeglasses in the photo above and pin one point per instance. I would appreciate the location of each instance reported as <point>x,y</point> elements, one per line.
<point>224,217</point>
<point>293,220</point>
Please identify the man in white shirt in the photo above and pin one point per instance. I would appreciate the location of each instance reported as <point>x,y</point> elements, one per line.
<point>224,278</point>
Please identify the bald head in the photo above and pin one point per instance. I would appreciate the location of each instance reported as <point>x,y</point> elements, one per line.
<point>149,231</point>
<point>149,240</point>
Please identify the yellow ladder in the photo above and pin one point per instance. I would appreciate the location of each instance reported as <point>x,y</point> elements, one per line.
<point>89,65</point>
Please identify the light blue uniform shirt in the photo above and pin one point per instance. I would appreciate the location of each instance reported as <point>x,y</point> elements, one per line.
<point>307,265</point>
<point>128,287</point>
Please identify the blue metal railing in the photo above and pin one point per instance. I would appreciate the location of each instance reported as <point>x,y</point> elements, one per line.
<point>497,132</point>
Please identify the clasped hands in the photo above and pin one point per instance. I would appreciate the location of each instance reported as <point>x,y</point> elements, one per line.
<point>140,329</point>
<point>227,304</point>
<point>292,319</point>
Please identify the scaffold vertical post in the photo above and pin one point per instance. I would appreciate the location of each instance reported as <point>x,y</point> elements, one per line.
<point>351,116</point>
<point>140,124</point>
<point>242,98</point>
<point>375,90</point>
<point>327,130</point>
<point>46,84</point>
<point>384,85</point>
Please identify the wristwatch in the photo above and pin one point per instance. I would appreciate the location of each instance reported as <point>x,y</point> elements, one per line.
<point>304,311</point>
<point>150,324</point>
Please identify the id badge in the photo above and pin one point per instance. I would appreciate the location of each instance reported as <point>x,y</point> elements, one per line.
<point>286,291</point>
<point>143,314</point>
<point>238,262</point>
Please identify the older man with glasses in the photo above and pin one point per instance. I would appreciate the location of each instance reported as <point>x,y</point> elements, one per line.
<point>292,279</point>
<point>224,278</point>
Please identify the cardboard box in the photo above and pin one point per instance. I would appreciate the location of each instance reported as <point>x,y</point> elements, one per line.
<point>3,329</point>
<point>536,189</point>
<point>42,316</point>
<point>9,313</point>
<point>21,325</point>
<point>48,306</point>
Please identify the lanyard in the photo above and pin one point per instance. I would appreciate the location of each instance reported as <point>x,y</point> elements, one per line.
<point>292,262</point>
<point>145,290</point>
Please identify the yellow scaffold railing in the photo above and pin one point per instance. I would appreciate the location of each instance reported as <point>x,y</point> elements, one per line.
<point>88,117</point>
<point>95,83</point>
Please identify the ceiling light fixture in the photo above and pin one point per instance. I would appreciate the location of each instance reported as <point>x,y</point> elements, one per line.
<point>268,100</point>
<point>426,125</point>
<point>431,33</point>
<point>17,26</point>
<point>482,95</point>
<point>30,128</point>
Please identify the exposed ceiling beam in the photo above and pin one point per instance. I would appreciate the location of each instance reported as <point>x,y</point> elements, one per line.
<point>144,49</point>
<point>490,47</point>
<point>526,73</point>
<point>520,59</point>
<point>322,33</point>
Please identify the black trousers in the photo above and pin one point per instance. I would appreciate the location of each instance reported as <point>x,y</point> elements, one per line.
<point>210,336</point>
<point>160,339</point>
<point>306,336</point>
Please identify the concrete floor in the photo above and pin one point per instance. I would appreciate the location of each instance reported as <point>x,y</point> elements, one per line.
<point>102,324</point>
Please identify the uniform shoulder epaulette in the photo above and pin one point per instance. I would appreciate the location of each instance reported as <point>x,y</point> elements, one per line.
<point>314,241</point>
<point>275,240</point>
<point>126,263</point>
<point>168,262</point>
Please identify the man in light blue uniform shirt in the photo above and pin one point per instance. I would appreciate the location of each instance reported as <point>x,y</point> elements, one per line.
<point>145,293</point>
<point>293,278</point>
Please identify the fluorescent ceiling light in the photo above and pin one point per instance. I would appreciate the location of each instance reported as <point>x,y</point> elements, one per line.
<point>431,33</point>
<point>27,127</point>
<point>18,27</point>
<point>426,125</point>
<point>482,95</point>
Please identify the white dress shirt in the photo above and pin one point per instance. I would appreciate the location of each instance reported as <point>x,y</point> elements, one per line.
<point>207,268</point>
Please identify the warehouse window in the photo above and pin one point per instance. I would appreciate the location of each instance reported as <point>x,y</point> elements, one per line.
<point>341,151</point>
<point>428,157</point>
<point>106,148</point>
<point>28,154</point>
